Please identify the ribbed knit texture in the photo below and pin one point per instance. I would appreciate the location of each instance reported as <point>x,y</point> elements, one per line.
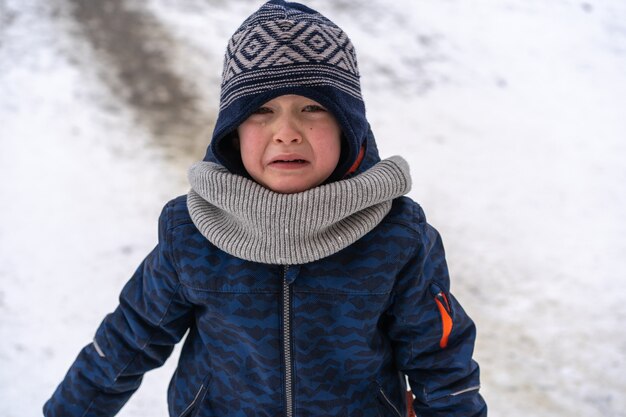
<point>254,223</point>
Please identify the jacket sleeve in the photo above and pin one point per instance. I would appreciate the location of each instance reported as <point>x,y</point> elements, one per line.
<point>139,335</point>
<point>433,337</point>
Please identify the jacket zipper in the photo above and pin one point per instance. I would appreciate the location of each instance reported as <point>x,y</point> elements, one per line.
<point>287,345</point>
<point>388,402</point>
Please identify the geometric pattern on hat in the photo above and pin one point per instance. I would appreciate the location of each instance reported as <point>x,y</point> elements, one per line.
<point>281,47</point>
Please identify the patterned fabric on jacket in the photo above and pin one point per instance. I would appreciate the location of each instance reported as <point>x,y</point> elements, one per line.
<point>347,327</point>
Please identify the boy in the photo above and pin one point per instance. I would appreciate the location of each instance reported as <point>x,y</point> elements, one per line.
<point>309,286</point>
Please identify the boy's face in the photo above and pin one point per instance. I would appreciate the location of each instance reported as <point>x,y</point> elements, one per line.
<point>290,144</point>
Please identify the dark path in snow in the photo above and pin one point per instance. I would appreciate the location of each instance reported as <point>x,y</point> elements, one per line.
<point>135,50</point>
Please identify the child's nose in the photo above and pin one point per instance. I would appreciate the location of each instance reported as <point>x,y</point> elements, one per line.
<point>287,131</point>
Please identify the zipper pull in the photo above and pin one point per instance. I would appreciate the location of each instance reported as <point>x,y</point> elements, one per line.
<point>290,273</point>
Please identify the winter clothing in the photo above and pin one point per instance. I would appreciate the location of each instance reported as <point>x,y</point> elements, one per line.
<point>309,304</point>
<point>326,338</point>
<point>251,222</point>
<point>288,48</point>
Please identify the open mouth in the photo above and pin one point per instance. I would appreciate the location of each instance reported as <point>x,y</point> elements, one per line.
<point>295,163</point>
<point>289,161</point>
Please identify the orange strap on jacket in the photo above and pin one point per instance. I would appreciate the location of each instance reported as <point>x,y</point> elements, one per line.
<point>446,319</point>
<point>409,402</point>
<point>358,161</point>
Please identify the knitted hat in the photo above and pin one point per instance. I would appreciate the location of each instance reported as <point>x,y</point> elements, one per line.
<point>288,48</point>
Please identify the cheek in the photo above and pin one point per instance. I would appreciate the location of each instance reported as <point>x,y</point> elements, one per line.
<point>329,147</point>
<point>249,149</point>
<point>334,143</point>
<point>334,132</point>
<point>248,139</point>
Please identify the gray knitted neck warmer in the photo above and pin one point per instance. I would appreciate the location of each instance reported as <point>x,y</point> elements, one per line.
<point>251,222</point>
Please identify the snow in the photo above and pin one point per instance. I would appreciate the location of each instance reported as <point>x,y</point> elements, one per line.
<point>510,114</point>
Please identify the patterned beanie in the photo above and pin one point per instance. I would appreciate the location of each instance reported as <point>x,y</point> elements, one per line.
<point>288,48</point>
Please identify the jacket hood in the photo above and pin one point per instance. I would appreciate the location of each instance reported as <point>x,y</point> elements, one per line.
<point>288,48</point>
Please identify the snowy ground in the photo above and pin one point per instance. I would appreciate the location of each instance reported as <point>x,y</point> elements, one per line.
<point>511,114</point>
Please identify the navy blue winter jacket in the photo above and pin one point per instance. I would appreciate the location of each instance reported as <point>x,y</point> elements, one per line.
<point>334,337</point>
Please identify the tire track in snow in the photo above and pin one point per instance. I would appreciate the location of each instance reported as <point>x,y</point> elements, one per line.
<point>135,51</point>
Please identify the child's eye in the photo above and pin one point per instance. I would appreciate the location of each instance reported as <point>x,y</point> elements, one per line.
<point>313,108</point>
<point>262,110</point>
